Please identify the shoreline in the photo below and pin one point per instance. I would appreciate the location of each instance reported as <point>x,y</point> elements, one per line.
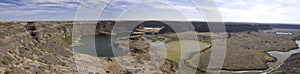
<point>261,70</point>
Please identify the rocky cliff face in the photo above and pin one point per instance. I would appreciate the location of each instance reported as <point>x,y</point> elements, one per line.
<point>105,27</point>
<point>45,47</point>
<point>290,66</point>
<point>36,47</point>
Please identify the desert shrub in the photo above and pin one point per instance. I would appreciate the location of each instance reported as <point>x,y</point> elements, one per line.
<point>6,60</point>
<point>13,71</point>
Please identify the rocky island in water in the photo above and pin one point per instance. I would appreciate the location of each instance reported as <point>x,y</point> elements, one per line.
<point>94,47</point>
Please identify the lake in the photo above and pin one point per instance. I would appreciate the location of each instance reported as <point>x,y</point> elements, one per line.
<point>98,45</point>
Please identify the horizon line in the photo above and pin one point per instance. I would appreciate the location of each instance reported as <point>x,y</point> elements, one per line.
<point>143,20</point>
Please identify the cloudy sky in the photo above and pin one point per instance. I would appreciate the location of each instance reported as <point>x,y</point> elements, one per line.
<point>262,11</point>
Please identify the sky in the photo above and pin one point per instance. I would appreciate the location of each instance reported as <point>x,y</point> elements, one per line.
<point>260,11</point>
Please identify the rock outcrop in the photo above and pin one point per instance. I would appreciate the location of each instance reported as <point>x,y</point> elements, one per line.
<point>290,66</point>
<point>36,47</point>
<point>45,47</point>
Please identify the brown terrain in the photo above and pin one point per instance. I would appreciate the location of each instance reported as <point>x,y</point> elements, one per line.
<point>250,45</point>
<point>39,48</point>
<point>45,47</point>
<point>291,66</point>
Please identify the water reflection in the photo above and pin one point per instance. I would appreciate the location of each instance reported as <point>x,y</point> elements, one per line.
<point>98,45</point>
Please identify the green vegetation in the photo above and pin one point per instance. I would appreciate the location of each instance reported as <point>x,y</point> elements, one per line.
<point>154,39</point>
<point>5,61</point>
<point>14,70</point>
<point>17,63</point>
<point>173,67</point>
<point>68,41</point>
<point>269,58</point>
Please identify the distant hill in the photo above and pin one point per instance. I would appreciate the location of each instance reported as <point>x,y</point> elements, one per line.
<point>199,26</point>
<point>2,21</point>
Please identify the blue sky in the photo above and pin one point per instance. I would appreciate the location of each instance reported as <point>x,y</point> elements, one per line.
<point>264,11</point>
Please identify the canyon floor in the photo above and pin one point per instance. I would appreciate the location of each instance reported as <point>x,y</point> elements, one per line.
<point>46,47</point>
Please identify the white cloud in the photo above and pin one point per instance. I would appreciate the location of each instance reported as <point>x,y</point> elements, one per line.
<point>267,11</point>
<point>271,11</point>
<point>59,3</point>
<point>49,1</point>
<point>26,12</point>
<point>186,9</point>
<point>36,7</point>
